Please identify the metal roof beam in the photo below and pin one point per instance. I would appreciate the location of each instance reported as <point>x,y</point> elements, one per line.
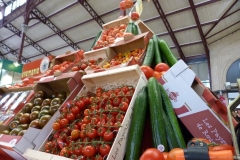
<point>222,17</point>
<point>223,29</point>
<point>27,39</point>
<point>187,44</point>
<point>224,36</point>
<point>21,10</point>
<point>168,27</point>
<point>41,17</point>
<point>91,11</point>
<point>8,49</point>
<point>205,45</point>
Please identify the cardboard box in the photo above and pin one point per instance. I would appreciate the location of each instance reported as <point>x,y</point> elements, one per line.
<point>144,28</point>
<point>139,41</point>
<point>33,138</point>
<point>192,106</point>
<point>131,75</point>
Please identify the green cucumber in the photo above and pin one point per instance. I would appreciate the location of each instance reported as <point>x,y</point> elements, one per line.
<point>157,55</point>
<point>135,29</point>
<point>168,108</point>
<point>135,134</point>
<point>129,27</point>
<point>149,55</point>
<point>167,53</point>
<point>96,38</point>
<point>171,138</point>
<point>156,111</point>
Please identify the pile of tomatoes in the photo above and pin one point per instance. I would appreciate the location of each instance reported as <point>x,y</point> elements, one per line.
<point>83,64</point>
<point>109,35</point>
<point>61,67</point>
<point>122,58</point>
<point>87,127</point>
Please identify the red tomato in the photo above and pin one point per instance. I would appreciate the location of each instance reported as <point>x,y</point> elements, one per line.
<point>104,149</point>
<point>128,3</point>
<point>117,125</point>
<point>101,131</point>
<point>80,105</point>
<point>98,157</point>
<point>64,122</point>
<point>75,68</point>
<point>70,117</point>
<point>152,154</point>
<point>64,152</point>
<point>123,106</point>
<point>148,71</point>
<point>134,16</point>
<point>92,133</point>
<point>75,110</point>
<point>161,67</point>
<point>223,147</point>
<point>89,151</point>
<point>157,74</point>
<point>125,99</point>
<point>86,119</point>
<point>87,112</point>
<point>122,5</point>
<point>116,101</point>
<point>82,134</point>
<point>108,136</point>
<point>78,150</point>
<point>119,117</point>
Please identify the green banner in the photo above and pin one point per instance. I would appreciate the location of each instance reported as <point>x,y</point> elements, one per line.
<point>8,65</point>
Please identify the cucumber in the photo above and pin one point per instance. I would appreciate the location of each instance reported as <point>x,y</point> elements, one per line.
<point>96,38</point>
<point>129,27</point>
<point>135,29</point>
<point>171,138</point>
<point>167,53</point>
<point>156,111</point>
<point>168,108</point>
<point>149,55</point>
<point>136,130</point>
<point>157,55</point>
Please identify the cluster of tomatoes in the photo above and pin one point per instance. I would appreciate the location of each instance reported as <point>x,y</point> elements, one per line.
<point>83,64</point>
<point>125,4</point>
<point>109,35</point>
<point>61,67</point>
<point>157,72</point>
<point>87,127</point>
<point>122,58</point>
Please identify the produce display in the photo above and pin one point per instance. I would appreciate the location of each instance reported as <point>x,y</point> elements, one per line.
<point>83,64</point>
<point>37,113</point>
<point>87,128</point>
<point>108,36</point>
<point>122,58</point>
<point>62,66</point>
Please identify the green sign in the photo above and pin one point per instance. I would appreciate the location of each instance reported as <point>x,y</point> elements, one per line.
<point>9,66</point>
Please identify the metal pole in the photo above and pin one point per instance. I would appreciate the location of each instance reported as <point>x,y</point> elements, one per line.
<point>24,29</point>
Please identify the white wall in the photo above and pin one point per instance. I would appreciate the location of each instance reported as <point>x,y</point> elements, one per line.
<point>222,54</point>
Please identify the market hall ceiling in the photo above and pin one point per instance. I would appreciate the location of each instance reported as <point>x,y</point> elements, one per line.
<point>57,26</point>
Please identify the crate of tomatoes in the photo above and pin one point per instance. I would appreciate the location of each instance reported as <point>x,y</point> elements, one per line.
<point>96,123</point>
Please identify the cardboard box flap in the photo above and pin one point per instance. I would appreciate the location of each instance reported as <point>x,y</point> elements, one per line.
<point>66,55</point>
<point>95,54</point>
<point>144,28</point>
<point>116,22</point>
<point>180,68</point>
<point>101,78</point>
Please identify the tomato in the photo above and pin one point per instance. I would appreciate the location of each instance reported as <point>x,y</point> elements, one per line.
<point>123,106</point>
<point>157,74</point>
<point>104,149</point>
<point>86,119</point>
<point>64,122</point>
<point>89,151</point>
<point>25,118</point>
<point>92,133</point>
<point>115,111</point>
<point>128,4</point>
<point>43,120</point>
<point>108,135</point>
<point>134,16</point>
<point>94,121</point>
<point>49,145</point>
<point>83,66</point>
<point>56,126</point>
<point>161,67</point>
<point>56,67</point>
<point>152,154</point>
<point>165,155</point>
<point>75,110</point>
<point>70,117</point>
<point>78,150</point>
<point>64,152</point>
<point>117,125</point>
<point>101,131</point>
<point>122,26</point>
<point>148,71</point>
<point>125,99</point>
<point>119,117</point>
<point>75,134</point>
<point>87,112</point>
<point>83,134</point>
<point>222,147</point>
<point>122,5</point>
<point>80,105</point>
<point>116,101</point>
<point>98,157</point>
<point>75,68</point>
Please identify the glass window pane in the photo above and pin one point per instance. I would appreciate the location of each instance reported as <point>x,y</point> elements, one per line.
<point>6,77</point>
<point>14,5</point>
<point>8,10</point>
<point>1,15</point>
<point>22,2</point>
<point>17,77</point>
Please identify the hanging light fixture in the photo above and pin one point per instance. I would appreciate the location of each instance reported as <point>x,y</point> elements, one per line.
<point>16,64</point>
